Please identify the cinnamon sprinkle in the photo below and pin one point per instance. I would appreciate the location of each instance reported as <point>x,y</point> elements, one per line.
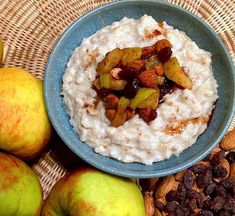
<point>91,58</point>
<point>151,35</point>
<point>180,125</point>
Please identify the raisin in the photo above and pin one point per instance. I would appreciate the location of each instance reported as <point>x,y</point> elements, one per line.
<point>233,190</point>
<point>220,191</point>
<point>172,195</point>
<point>231,156</point>
<point>188,179</point>
<point>224,213</point>
<point>204,179</point>
<point>185,203</point>
<point>205,213</point>
<point>159,205</point>
<point>171,206</point>
<point>215,160</point>
<point>217,203</point>
<point>229,204</point>
<point>207,204</point>
<point>179,211</point>
<point>182,191</point>
<point>207,158</point>
<point>228,183</point>
<point>219,171</point>
<point>192,194</point>
<point>209,188</point>
<point>192,204</point>
<point>198,168</point>
<point>144,184</point>
<point>131,88</point>
<point>164,54</point>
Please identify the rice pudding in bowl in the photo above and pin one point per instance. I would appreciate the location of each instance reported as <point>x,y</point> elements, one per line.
<point>181,116</point>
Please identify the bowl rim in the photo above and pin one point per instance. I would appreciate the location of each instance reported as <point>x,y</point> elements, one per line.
<point>131,173</point>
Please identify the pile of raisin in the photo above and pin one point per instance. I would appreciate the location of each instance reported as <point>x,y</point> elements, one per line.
<point>205,189</point>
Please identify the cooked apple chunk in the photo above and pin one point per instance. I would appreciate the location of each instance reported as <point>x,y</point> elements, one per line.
<point>110,61</point>
<point>121,113</point>
<point>173,71</point>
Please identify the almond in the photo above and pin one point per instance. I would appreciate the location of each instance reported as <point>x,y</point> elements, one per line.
<point>196,188</point>
<point>232,171</point>
<point>224,163</point>
<point>148,78</point>
<point>163,44</point>
<point>215,150</point>
<point>179,175</point>
<point>115,73</point>
<point>157,212</point>
<point>228,142</point>
<point>149,205</point>
<point>165,186</point>
<point>110,113</point>
<point>147,114</point>
<point>111,101</point>
<point>130,113</point>
<point>159,69</point>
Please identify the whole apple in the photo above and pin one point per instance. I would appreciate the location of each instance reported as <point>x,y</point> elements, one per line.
<point>24,125</point>
<point>20,190</point>
<point>89,192</point>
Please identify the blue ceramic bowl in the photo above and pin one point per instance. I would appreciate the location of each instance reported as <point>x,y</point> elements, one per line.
<point>197,30</point>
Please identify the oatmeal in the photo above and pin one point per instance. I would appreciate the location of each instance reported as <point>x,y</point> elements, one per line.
<point>181,116</point>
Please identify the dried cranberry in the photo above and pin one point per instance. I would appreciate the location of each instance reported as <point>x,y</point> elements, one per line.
<point>215,160</point>
<point>166,88</point>
<point>217,203</point>
<point>172,195</point>
<point>131,89</point>
<point>171,206</point>
<point>219,171</point>
<point>188,179</point>
<point>103,92</point>
<point>209,188</point>
<point>164,54</point>
<point>128,74</point>
<point>230,157</point>
<point>159,205</point>
<point>205,213</point>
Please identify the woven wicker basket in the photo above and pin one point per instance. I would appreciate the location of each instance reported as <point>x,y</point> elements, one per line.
<point>30,28</point>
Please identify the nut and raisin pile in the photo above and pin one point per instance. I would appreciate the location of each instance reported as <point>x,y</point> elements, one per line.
<point>134,80</point>
<point>205,189</point>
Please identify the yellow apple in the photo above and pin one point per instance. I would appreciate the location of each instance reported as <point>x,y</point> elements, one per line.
<point>20,189</point>
<point>89,192</point>
<point>24,125</point>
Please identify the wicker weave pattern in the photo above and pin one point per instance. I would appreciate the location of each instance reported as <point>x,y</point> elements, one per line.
<point>30,28</point>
